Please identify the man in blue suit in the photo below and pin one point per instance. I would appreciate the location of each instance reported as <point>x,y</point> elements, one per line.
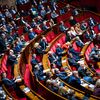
<point>31,34</point>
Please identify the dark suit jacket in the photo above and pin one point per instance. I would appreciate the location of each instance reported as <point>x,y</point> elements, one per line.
<point>78,43</point>
<point>59,51</point>
<point>2,45</point>
<point>53,58</point>
<point>43,44</point>
<point>72,22</point>
<point>11,60</point>
<point>8,82</point>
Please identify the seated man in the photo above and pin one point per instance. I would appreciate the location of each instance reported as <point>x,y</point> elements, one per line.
<point>74,53</point>
<point>96,91</point>
<point>33,24</point>
<point>95,54</point>
<point>48,9</point>
<point>7,82</point>
<point>34,12</point>
<point>43,43</point>
<point>99,27</point>
<point>74,79</point>
<point>54,16</point>
<point>87,36</point>
<point>62,27</point>
<point>38,49</point>
<point>75,12</point>
<point>34,61</point>
<point>11,60</point>
<point>61,74</point>
<point>62,11</point>
<point>38,72</point>
<point>31,34</point>
<point>44,26</point>
<point>72,61</point>
<point>18,2</point>
<point>43,13</point>
<point>84,25</point>
<point>53,58</point>
<point>78,29</point>
<point>59,51</point>
<point>82,70</point>
<point>79,43</point>
<point>72,21</point>
<point>39,20</point>
<point>92,22</point>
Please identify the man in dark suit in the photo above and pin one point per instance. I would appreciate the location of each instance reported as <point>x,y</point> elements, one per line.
<point>74,79</point>
<point>79,43</point>
<point>72,21</point>
<point>11,60</point>
<point>34,61</point>
<point>53,58</point>
<point>92,22</point>
<point>44,26</point>
<point>74,53</point>
<point>38,72</point>
<point>43,43</point>
<point>62,27</point>
<point>7,81</point>
<point>61,74</point>
<point>38,49</point>
<point>31,34</point>
<point>2,44</point>
<point>59,50</point>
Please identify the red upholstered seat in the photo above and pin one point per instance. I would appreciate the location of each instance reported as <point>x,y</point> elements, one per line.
<point>27,76</point>
<point>88,51</point>
<point>50,36</point>
<point>20,30</point>
<point>3,63</point>
<point>26,37</point>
